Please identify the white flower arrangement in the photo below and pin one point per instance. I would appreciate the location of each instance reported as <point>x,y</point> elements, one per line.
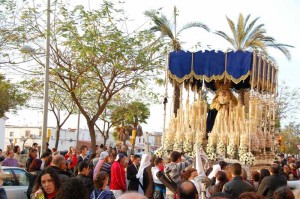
<point>212,156</point>
<point>210,148</point>
<point>168,145</point>
<point>160,152</point>
<point>177,145</point>
<point>231,150</point>
<point>192,153</point>
<point>247,158</point>
<point>187,146</point>
<point>221,149</point>
<point>242,150</point>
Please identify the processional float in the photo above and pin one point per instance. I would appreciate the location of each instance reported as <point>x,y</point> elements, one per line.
<point>228,127</point>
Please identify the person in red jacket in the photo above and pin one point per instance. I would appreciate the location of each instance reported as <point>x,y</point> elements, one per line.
<point>71,158</point>
<point>118,178</point>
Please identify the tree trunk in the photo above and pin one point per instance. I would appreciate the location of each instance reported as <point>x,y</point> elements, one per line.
<point>57,136</point>
<point>176,98</point>
<point>105,139</point>
<point>92,135</point>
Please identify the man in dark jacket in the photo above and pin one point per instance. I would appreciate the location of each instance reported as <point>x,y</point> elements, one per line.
<point>132,170</point>
<point>237,185</point>
<point>83,172</point>
<point>270,183</point>
<point>60,166</point>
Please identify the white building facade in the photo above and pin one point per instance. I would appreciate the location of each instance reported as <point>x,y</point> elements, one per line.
<point>25,136</point>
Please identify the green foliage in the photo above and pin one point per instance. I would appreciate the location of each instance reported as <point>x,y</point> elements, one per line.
<point>168,29</point>
<point>92,59</point>
<point>133,113</point>
<point>291,137</point>
<point>115,135</point>
<point>11,97</point>
<point>248,35</point>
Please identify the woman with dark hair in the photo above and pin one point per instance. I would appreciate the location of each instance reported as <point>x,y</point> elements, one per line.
<point>73,188</point>
<point>264,173</point>
<point>46,185</point>
<point>100,183</point>
<point>34,170</point>
<point>221,179</point>
<point>32,155</point>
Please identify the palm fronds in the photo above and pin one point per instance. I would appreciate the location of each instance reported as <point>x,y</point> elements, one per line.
<point>194,25</point>
<point>247,35</point>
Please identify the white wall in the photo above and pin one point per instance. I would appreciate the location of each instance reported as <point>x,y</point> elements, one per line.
<point>67,137</point>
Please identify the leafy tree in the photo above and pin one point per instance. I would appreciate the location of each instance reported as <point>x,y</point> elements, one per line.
<point>11,32</point>
<point>291,137</point>
<point>288,100</point>
<point>59,101</point>
<point>93,59</point>
<point>247,35</point>
<point>11,96</point>
<point>130,117</point>
<point>168,30</point>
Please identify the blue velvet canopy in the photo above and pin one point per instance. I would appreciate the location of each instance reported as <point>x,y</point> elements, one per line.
<point>242,68</point>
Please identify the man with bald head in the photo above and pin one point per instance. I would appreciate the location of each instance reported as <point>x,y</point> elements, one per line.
<point>132,195</point>
<point>187,190</point>
<point>60,166</point>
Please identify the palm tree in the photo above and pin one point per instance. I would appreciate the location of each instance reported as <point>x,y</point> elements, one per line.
<point>249,36</point>
<point>246,35</point>
<point>168,31</point>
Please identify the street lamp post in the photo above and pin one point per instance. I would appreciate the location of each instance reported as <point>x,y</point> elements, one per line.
<point>46,82</point>
<point>29,49</point>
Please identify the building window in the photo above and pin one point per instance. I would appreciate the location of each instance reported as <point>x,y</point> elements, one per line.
<point>27,133</point>
<point>11,134</point>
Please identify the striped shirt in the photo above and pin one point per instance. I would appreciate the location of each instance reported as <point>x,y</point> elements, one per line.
<point>174,169</point>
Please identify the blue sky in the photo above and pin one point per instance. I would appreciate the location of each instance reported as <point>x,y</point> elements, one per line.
<point>281,19</point>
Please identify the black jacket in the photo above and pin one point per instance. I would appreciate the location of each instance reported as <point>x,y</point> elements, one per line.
<point>237,186</point>
<point>87,182</point>
<point>62,175</point>
<point>270,183</point>
<point>131,175</point>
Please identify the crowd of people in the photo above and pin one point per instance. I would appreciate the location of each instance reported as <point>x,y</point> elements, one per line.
<point>112,173</point>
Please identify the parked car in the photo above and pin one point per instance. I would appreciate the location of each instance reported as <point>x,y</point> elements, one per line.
<point>16,182</point>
